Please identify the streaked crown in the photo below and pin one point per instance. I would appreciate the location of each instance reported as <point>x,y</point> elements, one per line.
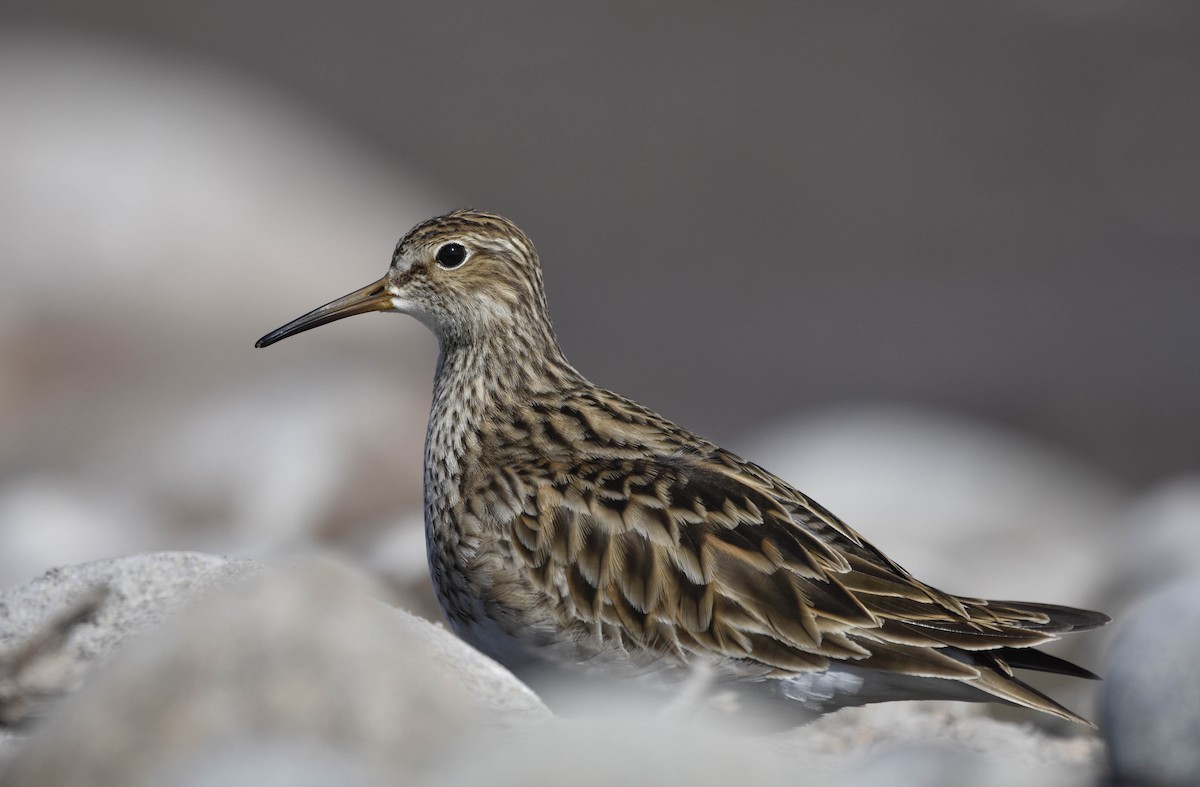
<point>469,272</point>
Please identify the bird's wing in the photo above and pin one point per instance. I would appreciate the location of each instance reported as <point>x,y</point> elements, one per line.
<point>710,557</point>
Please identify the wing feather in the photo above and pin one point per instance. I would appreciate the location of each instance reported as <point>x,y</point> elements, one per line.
<point>692,558</point>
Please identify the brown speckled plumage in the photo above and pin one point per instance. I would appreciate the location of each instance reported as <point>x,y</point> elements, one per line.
<point>569,524</point>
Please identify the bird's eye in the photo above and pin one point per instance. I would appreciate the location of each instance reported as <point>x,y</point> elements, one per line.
<point>451,255</point>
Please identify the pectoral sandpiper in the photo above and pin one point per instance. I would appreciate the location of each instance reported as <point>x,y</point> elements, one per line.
<point>569,525</point>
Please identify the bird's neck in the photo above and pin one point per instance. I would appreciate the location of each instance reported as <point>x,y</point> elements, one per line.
<point>483,380</point>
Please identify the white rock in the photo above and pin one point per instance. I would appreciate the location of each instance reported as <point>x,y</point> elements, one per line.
<point>904,745</point>
<point>297,657</point>
<point>1150,705</point>
<point>920,743</point>
<point>144,591</point>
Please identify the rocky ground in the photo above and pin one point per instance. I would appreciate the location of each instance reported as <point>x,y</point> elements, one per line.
<point>192,669</point>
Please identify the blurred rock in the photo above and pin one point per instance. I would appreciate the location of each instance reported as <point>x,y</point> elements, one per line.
<point>1159,539</point>
<point>37,669</point>
<point>1150,704</point>
<point>140,591</point>
<point>278,464</point>
<point>397,557</point>
<point>159,215</point>
<point>270,764</point>
<point>143,591</point>
<point>933,743</point>
<point>971,509</point>
<point>902,745</point>
<point>622,750</point>
<point>297,668</point>
<point>50,519</point>
<point>296,675</point>
<point>937,764</point>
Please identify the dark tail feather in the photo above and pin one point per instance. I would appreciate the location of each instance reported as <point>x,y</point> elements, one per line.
<point>1031,659</point>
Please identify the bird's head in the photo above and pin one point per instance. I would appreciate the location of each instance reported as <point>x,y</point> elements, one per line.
<point>467,275</point>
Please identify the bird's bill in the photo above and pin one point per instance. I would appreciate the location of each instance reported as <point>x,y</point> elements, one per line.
<point>372,298</point>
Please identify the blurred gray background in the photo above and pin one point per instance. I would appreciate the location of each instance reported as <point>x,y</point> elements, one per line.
<point>746,212</point>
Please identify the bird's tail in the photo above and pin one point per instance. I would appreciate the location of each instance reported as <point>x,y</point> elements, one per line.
<point>997,664</point>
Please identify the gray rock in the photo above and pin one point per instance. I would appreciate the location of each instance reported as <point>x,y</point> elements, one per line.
<point>901,745</point>
<point>57,627</point>
<point>296,675</point>
<point>295,659</point>
<point>481,677</point>
<point>624,750</point>
<point>145,589</point>
<point>39,667</point>
<point>47,649</point>
<point>1150,705</point>
<point>269,764</point>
